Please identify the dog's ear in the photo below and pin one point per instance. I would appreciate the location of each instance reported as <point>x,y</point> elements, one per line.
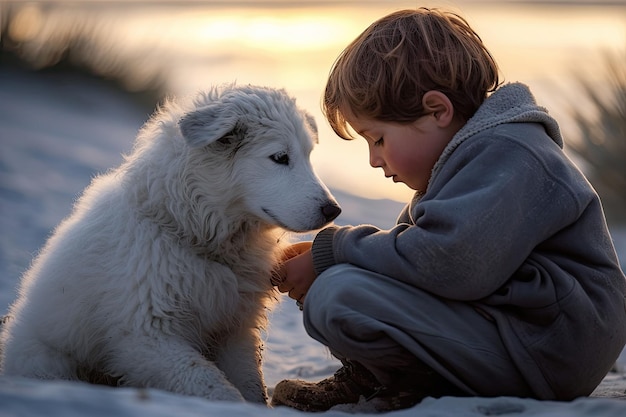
<point>310,120</point>
<point>208,124</point>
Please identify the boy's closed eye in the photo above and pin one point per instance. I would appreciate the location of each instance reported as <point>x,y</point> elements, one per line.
<point>379,142</point>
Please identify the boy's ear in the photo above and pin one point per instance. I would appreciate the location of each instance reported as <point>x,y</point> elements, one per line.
<point>439,106</point>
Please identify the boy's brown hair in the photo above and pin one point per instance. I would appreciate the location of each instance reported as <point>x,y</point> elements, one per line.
<point>385,71</point>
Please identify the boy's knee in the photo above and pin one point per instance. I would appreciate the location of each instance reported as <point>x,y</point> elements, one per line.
<point>339,286</point>
<point>338,295</point>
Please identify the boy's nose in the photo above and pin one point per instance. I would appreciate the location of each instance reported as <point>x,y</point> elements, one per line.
<point>375,160</point>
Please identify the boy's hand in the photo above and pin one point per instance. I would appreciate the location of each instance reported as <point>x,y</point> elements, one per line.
<point>295,274</point>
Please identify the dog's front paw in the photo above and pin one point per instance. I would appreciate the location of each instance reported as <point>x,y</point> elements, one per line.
<point>254,393</point>
<point>224,393</point>
<point>258,398</point>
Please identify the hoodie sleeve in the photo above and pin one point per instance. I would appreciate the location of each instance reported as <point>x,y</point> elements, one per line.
<point>322,250</point>
<point>490,205</point>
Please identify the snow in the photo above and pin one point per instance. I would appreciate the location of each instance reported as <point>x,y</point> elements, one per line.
<point>22,397</point>
<point>54,137</point>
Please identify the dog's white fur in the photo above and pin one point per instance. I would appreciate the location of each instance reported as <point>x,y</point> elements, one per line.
<point>161,275</point>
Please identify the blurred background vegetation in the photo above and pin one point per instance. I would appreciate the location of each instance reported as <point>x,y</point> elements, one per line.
<point>601,143</point>
<point>28,42</point>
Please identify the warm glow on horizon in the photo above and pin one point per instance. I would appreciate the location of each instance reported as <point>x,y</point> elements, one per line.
<point>280,31</point>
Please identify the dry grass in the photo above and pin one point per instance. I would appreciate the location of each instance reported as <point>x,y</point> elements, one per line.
<point>602,140</point>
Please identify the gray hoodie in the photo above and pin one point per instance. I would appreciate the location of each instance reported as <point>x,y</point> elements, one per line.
<point>510,225</point>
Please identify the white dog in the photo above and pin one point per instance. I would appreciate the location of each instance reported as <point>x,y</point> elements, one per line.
<point>161,275</point>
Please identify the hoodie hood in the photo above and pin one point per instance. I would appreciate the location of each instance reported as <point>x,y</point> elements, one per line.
<point>511,103</point>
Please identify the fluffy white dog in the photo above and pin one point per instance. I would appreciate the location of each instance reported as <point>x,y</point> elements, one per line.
<point>161,275</point>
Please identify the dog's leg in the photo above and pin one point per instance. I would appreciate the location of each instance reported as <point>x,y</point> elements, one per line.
<point>29,357</point>
<point>240,359</point>
<point>170,364</point>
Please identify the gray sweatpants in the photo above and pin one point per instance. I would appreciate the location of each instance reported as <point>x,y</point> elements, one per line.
<point>385,324</point>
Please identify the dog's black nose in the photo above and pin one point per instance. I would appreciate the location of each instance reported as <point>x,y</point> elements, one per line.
<point>331,211</point>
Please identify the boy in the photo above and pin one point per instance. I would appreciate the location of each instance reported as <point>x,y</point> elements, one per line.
<point>499,278</point>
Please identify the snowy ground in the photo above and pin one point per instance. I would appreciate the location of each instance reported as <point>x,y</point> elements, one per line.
<point>54,137</point>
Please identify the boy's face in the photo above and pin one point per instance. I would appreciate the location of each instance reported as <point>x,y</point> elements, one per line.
<point>406,152</point>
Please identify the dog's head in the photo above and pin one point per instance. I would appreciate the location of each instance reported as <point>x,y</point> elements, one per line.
<point>256,143</point>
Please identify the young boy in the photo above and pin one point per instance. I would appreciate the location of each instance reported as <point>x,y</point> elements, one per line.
<point>499,278</point>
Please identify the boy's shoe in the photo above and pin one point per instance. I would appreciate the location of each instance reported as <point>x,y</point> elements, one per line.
<point>346,386</point>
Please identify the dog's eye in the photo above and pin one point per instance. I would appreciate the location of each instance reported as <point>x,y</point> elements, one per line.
<point>280,158</point>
